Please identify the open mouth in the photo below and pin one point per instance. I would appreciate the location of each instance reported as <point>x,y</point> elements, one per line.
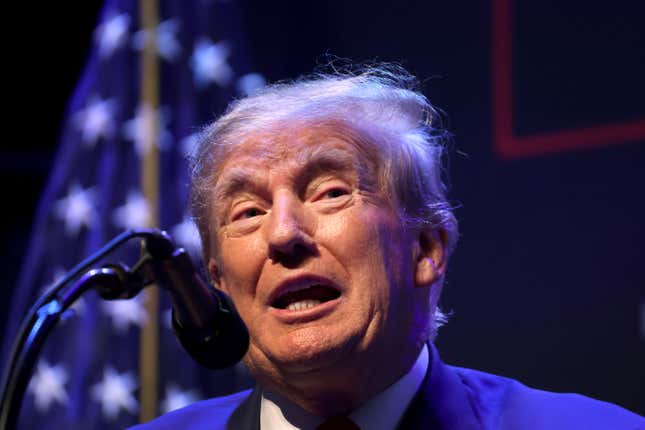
<point>306,298</point>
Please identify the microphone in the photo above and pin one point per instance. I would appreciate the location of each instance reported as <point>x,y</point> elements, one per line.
<point>204,319</point>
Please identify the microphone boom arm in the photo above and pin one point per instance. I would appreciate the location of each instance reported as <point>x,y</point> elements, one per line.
<point>204,319</point>
<point>47,316</point>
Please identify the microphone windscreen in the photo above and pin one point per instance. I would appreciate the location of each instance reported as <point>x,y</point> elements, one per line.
<point>222,342</point>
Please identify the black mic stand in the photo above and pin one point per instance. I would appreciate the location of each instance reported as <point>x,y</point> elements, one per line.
<point>111,282</point>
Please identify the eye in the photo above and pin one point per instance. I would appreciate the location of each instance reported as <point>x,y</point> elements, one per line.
<point>247,214</point>
<point>335,193</point>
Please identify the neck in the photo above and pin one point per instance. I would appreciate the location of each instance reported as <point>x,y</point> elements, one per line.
<point>339,389</point>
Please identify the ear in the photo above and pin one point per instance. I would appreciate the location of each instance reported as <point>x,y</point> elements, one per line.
<point>431,257</point>
<point>215,275</point>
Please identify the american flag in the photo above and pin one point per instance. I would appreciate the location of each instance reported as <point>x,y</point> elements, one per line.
<point>88,373</point>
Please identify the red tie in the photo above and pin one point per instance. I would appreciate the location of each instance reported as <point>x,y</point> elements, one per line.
<point>338,422</point>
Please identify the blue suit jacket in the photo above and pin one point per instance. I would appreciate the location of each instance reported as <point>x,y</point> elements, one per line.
<point>450,398</point>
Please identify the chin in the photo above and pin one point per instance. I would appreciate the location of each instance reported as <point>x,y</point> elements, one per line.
<point>309,350</point>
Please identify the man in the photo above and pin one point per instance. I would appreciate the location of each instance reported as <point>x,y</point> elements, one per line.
<point>323,215</point>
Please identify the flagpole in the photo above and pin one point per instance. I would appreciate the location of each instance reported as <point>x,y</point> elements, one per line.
<point>149,340</point>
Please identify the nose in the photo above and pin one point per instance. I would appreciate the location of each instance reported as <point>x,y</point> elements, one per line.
<point>289,239</point>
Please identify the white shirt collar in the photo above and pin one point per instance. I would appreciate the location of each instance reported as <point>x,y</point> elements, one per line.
<point>381,412</point>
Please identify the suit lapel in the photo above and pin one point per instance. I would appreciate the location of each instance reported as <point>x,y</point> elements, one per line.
<point>442,402</point>
<point>247,415</point>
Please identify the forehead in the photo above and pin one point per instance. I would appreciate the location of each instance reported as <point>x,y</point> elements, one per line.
<point>297,146</point>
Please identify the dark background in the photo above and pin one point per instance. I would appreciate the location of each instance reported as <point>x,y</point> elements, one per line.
<point>548,281</point>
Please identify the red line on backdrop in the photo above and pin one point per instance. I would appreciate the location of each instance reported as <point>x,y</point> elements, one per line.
<point>509,146</point>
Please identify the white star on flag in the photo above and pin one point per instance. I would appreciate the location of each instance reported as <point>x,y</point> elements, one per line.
<point>48,385</point>
<point>114,393</point>
<point>111,34</point>
<point>96,120</point>
<point>140,129</point>
<point>125,312</point>
<point>189,144</point>
<point>250,83</point>
<point>209,63</point>
<point>187,235</point>
<point>135,213</point>
<point>166,37</point>
<point>76,209</point>
<point>177,399</point>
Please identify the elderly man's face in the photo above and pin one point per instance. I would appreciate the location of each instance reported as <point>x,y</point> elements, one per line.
<point>318,264</point>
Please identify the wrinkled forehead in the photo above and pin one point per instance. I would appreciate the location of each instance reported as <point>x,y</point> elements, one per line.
<point>298,145</point>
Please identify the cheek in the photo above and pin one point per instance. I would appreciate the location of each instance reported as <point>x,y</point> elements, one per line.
<point>241,260</point>
<point>369,242</point>
<point>387,252</point>
<point>353,232</point>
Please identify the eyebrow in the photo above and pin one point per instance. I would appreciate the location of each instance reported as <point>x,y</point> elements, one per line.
<point>314,161</point>
<point>235,180</point>
<point>319,160</point>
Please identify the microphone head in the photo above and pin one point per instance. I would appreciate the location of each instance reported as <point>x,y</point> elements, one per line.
<point>207,324</point>
<point>159,244</point>
<point>222,342</point>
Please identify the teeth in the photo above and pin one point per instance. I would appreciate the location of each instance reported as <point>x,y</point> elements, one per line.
<point>303,304</point>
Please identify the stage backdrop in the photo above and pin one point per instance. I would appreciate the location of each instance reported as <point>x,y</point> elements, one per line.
<point>546,105</point>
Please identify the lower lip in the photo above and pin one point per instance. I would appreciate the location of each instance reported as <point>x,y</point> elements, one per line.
<point>319,311</point>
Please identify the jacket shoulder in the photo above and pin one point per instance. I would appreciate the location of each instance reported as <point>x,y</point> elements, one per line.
<point>503,403</point>
<point>211,414</point>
